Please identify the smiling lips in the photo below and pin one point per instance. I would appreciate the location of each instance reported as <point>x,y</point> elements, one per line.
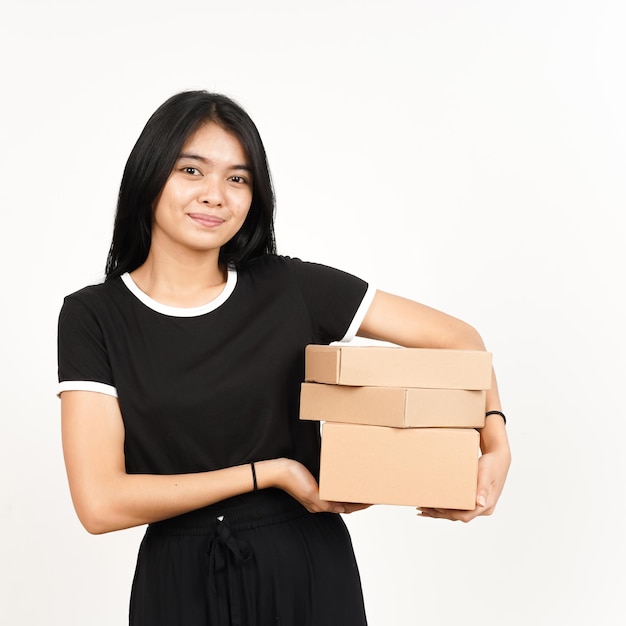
<point>206,220</point>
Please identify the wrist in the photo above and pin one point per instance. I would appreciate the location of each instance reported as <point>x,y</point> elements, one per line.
<point>500,414</point>
<point>493,436</point>
<point>270,473</point>
<point>255,486</point>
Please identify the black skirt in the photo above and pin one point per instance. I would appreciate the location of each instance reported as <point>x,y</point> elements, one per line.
<point>259,559</point>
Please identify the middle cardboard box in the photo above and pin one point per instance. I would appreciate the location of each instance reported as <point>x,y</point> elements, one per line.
<point>399,407</point>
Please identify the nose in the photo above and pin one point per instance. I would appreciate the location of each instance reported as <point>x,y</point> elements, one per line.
<point>211,192</point>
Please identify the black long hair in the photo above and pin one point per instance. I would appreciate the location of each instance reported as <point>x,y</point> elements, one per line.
<point>151,162</point>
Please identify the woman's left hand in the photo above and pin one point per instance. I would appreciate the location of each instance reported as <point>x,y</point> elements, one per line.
<point>492,470</point>
<point>414,325</point>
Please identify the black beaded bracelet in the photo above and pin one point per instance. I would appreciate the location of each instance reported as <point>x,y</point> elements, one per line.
<point>500,413</point>
<point>254,477</point>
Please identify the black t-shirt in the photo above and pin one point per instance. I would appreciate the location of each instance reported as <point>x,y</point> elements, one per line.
<point>213,386</point>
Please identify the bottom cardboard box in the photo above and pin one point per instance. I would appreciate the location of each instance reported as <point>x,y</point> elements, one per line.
<point>428,467</point>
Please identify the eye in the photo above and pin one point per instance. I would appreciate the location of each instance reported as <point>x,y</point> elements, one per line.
<point>239,180</point>
<point>192,171</point>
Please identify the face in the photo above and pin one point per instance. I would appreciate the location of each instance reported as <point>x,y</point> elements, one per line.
<point>207,196</point>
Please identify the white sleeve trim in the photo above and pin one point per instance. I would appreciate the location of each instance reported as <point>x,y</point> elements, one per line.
<point>359,316</point>
<point>87,385</point>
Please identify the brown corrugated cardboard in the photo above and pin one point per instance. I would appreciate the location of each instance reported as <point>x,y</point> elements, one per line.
<point>393,406</point>
<point>379,366</point>
<point>430,467</point>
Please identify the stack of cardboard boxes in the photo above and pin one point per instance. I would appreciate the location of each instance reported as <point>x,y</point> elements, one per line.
<point>398,423</point>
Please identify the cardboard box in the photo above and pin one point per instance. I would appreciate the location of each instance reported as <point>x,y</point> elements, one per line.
<point>430,467</point>
<point>393,406</point>
<point>379,366</point>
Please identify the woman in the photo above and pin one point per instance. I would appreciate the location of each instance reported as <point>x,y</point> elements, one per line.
<point>179,383</point>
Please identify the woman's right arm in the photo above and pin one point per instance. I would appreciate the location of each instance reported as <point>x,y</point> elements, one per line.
<point>106,498</point>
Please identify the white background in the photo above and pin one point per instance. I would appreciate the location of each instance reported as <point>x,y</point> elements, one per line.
<point>470,155</point>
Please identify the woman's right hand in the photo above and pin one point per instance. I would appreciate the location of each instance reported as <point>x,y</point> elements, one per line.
<point>106,498</point>
<point>294,478</point>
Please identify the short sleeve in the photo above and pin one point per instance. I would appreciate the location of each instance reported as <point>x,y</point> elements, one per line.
<point>82,356</point>
<point>337,301</point>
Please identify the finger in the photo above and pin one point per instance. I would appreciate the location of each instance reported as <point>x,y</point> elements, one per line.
<point>347,507</point>
<point>483,491</point>
<point>351,507</point>
<point>454,515</point>
<point>434,511</point>
<point>332,507</point>
<point>484,488</point>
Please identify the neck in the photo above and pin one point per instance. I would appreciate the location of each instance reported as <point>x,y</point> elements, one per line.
<point>187,281</point>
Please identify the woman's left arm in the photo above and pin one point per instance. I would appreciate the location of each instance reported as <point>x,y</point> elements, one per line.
<point>412,325</point>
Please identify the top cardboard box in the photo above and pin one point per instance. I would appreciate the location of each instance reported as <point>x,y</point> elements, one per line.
<point>383,366</point>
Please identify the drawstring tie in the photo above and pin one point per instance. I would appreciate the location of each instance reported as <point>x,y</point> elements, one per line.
<point>226,557</point>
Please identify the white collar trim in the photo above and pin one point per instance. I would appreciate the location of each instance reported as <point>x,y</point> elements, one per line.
<point>174,311</point>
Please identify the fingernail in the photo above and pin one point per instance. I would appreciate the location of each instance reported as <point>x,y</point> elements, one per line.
<point>482,501</point>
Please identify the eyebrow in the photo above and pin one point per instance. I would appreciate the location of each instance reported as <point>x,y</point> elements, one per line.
<point>197,157</point>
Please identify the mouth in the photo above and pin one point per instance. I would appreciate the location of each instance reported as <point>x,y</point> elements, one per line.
<point>208,221</point>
